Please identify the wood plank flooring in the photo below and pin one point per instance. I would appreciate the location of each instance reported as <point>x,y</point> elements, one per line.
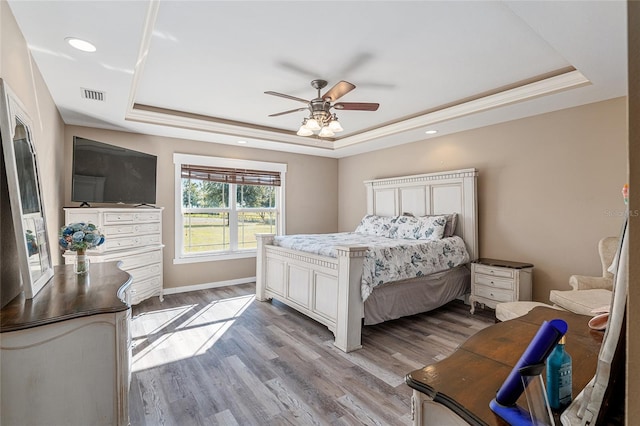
<point>219,357</point>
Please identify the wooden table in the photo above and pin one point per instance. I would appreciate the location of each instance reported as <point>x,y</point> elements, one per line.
<point>468,380</point>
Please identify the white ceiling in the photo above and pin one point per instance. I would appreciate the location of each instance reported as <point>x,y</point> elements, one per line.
<point>199,69</point>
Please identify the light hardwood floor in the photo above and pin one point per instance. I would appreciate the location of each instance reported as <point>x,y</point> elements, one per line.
<point>220,357</point>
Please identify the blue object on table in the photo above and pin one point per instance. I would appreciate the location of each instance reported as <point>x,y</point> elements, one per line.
<point>536,353</point>
<point>513,414</point>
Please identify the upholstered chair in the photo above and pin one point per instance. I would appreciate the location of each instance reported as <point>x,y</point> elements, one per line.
<point>607,248</point>
<point>590,293</point>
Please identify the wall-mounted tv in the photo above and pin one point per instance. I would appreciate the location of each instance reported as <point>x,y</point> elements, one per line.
<point>104,173</point>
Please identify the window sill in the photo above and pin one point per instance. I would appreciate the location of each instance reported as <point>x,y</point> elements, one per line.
<point>208,257</point>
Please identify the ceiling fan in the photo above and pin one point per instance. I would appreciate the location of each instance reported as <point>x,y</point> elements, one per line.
<point>320,116</point>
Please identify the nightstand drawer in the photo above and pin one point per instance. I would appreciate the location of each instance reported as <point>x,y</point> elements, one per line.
<point>494,294</point>
<point>496,272</point>
<point>492,281</point>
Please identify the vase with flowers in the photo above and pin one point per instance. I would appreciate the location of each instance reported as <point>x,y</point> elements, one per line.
<point>80,237</point>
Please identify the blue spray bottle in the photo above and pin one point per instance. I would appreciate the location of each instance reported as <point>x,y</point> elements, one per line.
<point>559,377</point>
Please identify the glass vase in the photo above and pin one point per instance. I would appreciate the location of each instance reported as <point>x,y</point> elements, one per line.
<point>81,263</point>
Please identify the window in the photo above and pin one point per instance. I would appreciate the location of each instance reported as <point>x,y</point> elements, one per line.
<point>222,203</point>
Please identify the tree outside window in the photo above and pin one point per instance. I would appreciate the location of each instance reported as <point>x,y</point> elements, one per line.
<point>223,208</point>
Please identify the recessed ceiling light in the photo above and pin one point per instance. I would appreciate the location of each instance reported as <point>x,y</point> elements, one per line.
<point>80,44</point>
<point>242,142</point>
<point>431,132</point>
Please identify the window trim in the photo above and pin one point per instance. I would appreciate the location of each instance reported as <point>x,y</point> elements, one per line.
<point>203,160</point>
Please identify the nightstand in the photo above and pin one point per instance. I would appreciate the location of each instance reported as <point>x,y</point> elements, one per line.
<point>495,281</point>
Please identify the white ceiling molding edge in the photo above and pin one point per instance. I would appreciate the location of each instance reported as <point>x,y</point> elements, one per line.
<point>147,35</point>
<point>566,81</point>
<point>172,120</point>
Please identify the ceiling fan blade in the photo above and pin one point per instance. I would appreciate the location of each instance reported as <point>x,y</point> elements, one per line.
<point>282,95</point>
<point>287,112</point>
<point>357,106</point>
<point>339,90</point>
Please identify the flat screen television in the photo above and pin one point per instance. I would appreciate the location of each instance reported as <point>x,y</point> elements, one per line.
<point>104,173</point>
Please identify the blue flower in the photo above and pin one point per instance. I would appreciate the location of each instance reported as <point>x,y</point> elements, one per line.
<point>80,236</point>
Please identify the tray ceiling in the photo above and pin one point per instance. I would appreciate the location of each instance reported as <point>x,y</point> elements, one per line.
<point>199,69</point>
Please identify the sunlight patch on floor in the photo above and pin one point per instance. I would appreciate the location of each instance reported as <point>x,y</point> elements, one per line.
<point>149,323</point>
<point>170,335</point>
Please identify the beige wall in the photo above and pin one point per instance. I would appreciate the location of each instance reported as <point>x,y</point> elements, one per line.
<point>19,71</point>
<point>548,186</point>
<point>311,195</point>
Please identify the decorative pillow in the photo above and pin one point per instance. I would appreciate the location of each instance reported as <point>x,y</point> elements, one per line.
<point>375,225</point>
<point>404,227</point>
<point>407,227</point>
<point>450,226</point>
<point>431,228</point>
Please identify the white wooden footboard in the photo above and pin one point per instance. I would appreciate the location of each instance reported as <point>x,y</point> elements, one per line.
<point>324,288</point>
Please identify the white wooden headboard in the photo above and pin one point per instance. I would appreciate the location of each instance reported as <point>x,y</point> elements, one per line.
<point>432,193</point>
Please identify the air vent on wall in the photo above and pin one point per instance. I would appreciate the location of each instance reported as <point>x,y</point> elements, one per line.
<point>92,94</point>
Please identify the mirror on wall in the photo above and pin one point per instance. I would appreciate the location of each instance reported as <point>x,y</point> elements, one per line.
<point>25,197</point>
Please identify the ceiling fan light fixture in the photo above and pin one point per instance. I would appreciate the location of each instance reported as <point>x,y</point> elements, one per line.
<point>312,124</point>
<point>320,119</point>
<point>335,125</point>
<point>326,132</point>
<point>303,131</point>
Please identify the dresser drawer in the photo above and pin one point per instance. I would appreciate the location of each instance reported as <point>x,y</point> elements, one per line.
<point>119,243</point>
<point>143,289</point>
<point>129,217</point>
<point>129,242</point>
<point>494,271</point>
<point>491,281</point>
<point>142,259</point>
<point>144,272</point>
<point>494,294</point>
<point>131,229</point>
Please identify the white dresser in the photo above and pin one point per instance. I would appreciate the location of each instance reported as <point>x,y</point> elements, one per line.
<point>132,236</point>
<point>65,355</point>
<point>495,281</point>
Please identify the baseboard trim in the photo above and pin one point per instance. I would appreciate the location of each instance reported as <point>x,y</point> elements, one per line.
<point>205,286</point>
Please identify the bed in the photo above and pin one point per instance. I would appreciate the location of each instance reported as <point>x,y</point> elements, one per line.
<point>329,286</point>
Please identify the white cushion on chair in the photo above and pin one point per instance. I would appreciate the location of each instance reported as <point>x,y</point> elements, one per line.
<point>510,310</point>
<point>581,301</point>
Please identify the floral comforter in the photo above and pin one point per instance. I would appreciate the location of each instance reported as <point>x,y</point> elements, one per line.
<point>388,259</point>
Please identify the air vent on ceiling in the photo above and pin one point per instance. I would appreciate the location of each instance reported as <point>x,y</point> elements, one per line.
<point>92,94</point>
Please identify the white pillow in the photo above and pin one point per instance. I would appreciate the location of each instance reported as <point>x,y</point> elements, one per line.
<point>374,225</point>
<point>405,227</point>
<point>431,228</point>
<point>450,227</point>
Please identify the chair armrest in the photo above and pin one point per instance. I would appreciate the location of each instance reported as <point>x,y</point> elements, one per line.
<point>581,282</point>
